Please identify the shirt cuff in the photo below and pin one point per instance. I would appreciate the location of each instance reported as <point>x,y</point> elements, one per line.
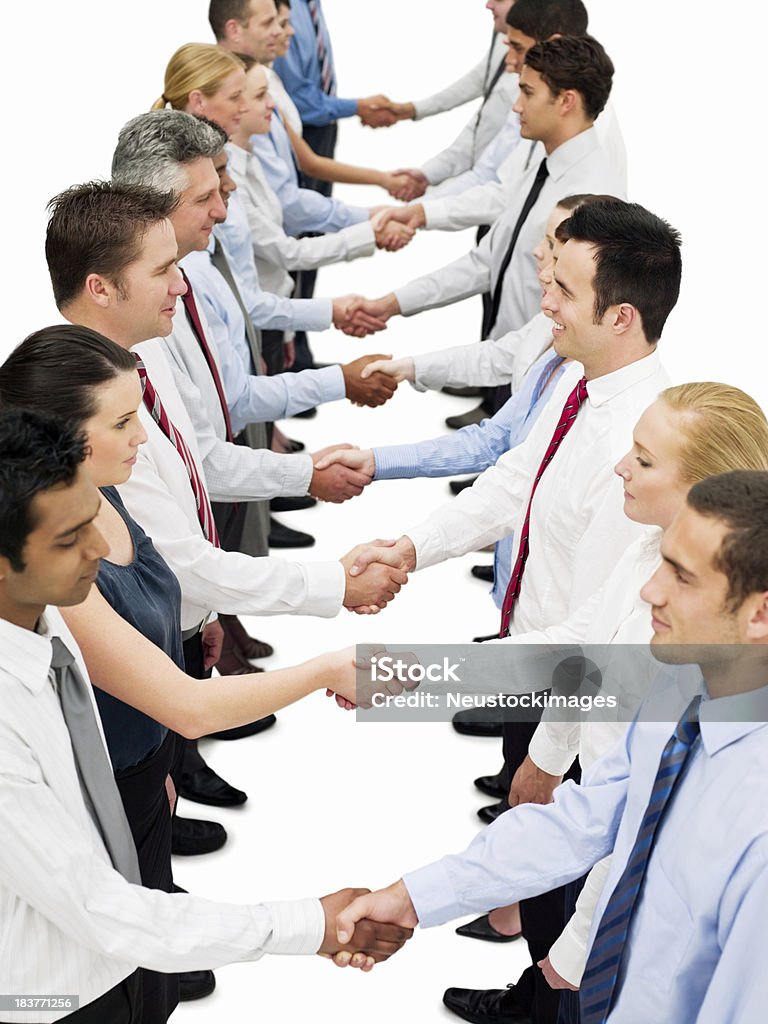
<point>432,172</point>
<point>298,927</point>
<point>325,584</point>
<point>568,956</point>
<point>312,314</point>
<point>345,108</point>
<point>437,214</point>
<point>297,474</point>
<point>408,299</point>
<point>361,239</point>
<point>548,756</point>
<point>432,895</point>
<point>396,462</point>
<point>429,549</point>
<point>430,372</point>
<point>332,387</point>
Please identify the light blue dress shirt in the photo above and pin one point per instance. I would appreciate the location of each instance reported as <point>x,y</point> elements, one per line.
<point>267,310</point>
<point>252,398</point>
<point>304,210</point>
<point>693,954</point>
<point>300,70</point>
<point>478,446</point>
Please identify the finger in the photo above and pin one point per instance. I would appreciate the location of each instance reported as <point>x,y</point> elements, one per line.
<point>371,368</point>
<point>343,958</point>
<point>329,460</point>
<point>347,919</point>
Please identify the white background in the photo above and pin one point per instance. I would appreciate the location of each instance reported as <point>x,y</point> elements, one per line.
<point>333,803</point>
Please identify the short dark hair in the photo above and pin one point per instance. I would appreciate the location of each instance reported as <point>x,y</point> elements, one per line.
<point>36,454</point>
<point>637,259</point>
<point>222,11</point>
<point>574,63</point>
<point>740,500</point>
<point>540,19</point>
<point>57,371</point>
<point>97,228</point>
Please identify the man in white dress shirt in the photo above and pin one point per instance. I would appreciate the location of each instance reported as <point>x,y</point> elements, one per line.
<point>76,923</point>
<point>616,279</point>
<point>564,85</point>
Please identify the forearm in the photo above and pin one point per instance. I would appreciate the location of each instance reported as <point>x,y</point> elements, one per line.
<point>470,450</point>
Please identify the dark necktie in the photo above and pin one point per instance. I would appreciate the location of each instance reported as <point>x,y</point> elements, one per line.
<point>570,411</point>
<point>598,986</point>
<point>157,411</point>
<point>97,782</point>
<point>220,261</point>
<point>197,328</point>
<point>325,60</point>
<point>530,200</point>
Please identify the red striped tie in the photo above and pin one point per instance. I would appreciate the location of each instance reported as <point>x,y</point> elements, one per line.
<point>161,418</point>
<point>570,410</point>
<point>194,318</point>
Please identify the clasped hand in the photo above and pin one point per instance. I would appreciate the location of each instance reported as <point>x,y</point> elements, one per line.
<point>375,941</point>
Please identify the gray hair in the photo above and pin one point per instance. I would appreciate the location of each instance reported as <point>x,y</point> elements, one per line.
<point>153,148</point>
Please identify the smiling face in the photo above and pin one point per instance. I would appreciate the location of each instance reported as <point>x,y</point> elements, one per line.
<point>200,207</point>
<point>62,552</point>
<point>115,431</point>
<point>259,35</point>
<point>226,106</point>
<point>654,490</point>
<point>144,304</point>
<point>257,119</point>
<point>569,300</point>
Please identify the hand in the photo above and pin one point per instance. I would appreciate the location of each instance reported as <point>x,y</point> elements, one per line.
<point>374,310</point>
<point>391,905</point>
<point>400,185</point>
<point>170,792</point>
<point>376,111</point>
<point>403,111</point>
<point>419,179</point>
<point>351,316</point>
<point>371,389</point>
<point>289,353</point>
<point>552,978</point>
<point>399,369</point>
<point>376,941</point>
<point>353,458</point>
<point>336,483</point>
<point>368,592</point>
<point>392,236</point>
<point>399,554</point>
<point>213,639</point>
<point>412,216</point>
<point>532,786</point>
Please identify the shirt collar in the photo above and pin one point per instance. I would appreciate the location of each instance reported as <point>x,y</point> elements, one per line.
<point>571,152</point>
<point>727,720</point>
<point>27,654</point>
<point>237,158</point>
<point>607,387</point>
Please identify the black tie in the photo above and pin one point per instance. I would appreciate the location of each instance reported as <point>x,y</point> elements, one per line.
<point>97,783</point>
<point>530,200</point>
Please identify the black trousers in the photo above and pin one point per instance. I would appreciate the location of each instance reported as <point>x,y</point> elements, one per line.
<point>272,350</point>
<point>191,758</point>
<point>121,1005</point>
<point>543,917</point>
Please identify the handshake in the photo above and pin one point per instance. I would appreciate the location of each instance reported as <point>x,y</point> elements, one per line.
<point>374,941</point>
<point>375,572</point>
<point>380,111</point>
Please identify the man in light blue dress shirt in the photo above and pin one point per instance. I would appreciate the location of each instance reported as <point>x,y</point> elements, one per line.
<point>700,914</point>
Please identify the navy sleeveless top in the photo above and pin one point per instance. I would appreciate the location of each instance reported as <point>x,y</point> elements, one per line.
<point>147,595</point>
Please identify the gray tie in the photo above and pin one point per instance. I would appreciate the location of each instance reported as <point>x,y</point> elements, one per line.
<point>94,771</point>
<point>219,260</point>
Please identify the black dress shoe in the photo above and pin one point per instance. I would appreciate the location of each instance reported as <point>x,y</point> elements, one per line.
<point>195,985</point>
<point>244,730</point>
<point>465,392</point>
<point>282,536</point>
<point>492,785</point>
<point>482,639</point>
<point>486,1005</point>
<point>483,572</point>
<point>478,722</point>
<point>307,414</point>
<point>476,415</point>
<point>190,837</point>
<point>286,504</point>
<point>457,486</point>
<point>481,928</point>
<point>491,812</point>
<point>204,786</point>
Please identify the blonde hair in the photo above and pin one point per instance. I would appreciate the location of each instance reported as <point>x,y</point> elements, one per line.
<point>722,428</point>
<point>200,66</point>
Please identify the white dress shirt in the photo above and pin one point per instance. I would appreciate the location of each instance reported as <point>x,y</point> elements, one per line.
<point>70,922</point>
<point>159,497</point>
<point>288,109</point>
<point>469,87</point>
<point>484,201</point>
<point>478,132</point>
<point>579,165</point>
<point>504,360</point>
<point>277,252</point>
<point>578,530</point>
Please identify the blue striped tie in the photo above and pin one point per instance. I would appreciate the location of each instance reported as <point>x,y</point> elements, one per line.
<point>598,985</point>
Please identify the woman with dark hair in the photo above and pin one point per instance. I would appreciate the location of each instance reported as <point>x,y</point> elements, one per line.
<point>129,626</point>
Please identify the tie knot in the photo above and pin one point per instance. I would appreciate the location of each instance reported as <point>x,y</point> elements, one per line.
<point>689,726</point>
<point>543,170</point>
<point>581,390</point>
<point>62,656</point>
